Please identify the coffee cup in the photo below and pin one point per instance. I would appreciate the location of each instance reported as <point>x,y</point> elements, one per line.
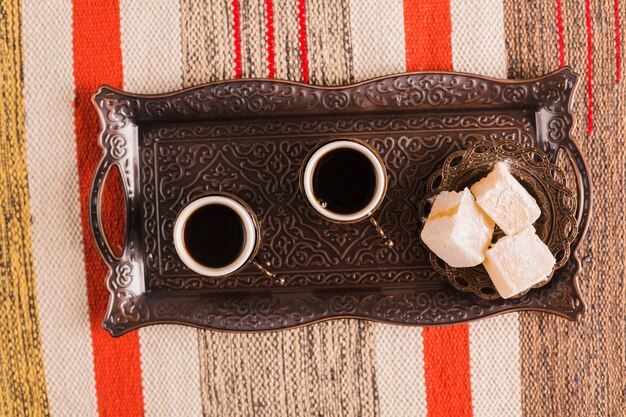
<point>345,181</point>
<point>217,235</point>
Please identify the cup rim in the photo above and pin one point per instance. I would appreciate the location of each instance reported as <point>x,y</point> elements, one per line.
<point>250,226</point>
<point>380,172</point>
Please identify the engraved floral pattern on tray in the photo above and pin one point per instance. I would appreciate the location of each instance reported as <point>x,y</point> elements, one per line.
<point>298,243</point>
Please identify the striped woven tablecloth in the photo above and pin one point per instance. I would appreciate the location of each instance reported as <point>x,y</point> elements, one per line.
<point>56,360</point>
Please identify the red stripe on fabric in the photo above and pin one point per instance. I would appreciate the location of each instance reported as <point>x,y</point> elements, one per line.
<point>559,28</point>
<point>304,53</point>
<point>447,371</point>
<point>237,38</point>
<point>271,54</point>
<point>588,21</point>
<point>98,60</point>
<point>618,45</point>
<point>427,28</point>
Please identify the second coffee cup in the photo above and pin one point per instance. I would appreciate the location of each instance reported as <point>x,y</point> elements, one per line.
<point>217,235</point>
<point>345,181</point>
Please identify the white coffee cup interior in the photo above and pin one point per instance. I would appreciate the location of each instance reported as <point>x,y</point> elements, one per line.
<point>311,165</point>
<point>249,235</point>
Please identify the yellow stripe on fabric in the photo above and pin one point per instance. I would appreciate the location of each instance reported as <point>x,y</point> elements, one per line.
<point>57,235</point>
<point>22,381</point>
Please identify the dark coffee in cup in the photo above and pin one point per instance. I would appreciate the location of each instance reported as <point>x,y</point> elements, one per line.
<point>217,235</point>
<point>214,235</point>
<point>344,181</point>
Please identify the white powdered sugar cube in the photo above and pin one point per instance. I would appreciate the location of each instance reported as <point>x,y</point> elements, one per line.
<point>517,262</point>
<point>457,230</point>
<point>505,200</point>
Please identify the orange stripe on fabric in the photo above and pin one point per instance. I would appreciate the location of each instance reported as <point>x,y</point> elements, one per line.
<point>237,38</point>
<point>304,52</point>
<point>427,27</point>
<point>559,29</point>
<point>618,44</point>
<point>588,21</point>
<point>98,60</point>
<point>447,371</point>
<point>428,30</point>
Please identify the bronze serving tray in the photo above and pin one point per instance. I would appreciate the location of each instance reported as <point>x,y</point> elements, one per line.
<point>249,137</point>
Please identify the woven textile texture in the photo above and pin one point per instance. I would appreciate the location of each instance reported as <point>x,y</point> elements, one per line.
<point>55,359</point>
<point>579,369</point>
<point>22,384</point>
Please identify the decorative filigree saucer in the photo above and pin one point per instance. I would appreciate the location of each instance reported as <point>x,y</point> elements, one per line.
<point>545,181</point>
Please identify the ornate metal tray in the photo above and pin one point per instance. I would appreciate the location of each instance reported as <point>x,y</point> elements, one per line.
<point>249,137</point>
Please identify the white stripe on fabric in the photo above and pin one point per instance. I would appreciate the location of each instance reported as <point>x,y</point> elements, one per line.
<point>170,368</point>
<point>152,57</point>
<point>478,47</point>
<point>399,350</point>
<point>400,371</point>
<point>377,38</point>
<point>495,367</point>
<point>57,235</point>
<point>151,46</point>
<point>478,37</point>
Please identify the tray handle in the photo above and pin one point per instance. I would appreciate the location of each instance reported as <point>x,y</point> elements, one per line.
<point>584,189</point>
<point>95,217</point>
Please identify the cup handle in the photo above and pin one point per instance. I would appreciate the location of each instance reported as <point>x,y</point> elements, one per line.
<point>264,268</point>
<point>386,239</point>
